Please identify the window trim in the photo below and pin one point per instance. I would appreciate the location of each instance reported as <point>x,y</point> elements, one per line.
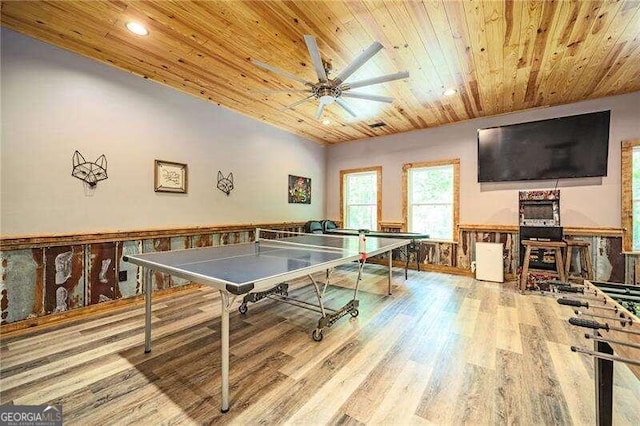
<point>378,171</point>
<point>626,169</point>
<point>456,190</point>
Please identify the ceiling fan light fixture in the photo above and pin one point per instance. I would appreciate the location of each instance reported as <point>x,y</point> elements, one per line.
<point>136,28</point>
<point>327,99</point>
<point>326,121</point>
<point>450,92</point>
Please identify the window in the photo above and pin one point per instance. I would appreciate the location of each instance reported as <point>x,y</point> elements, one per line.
<point>631,195</point>
<point>361,198</point>
<point>431,198</point>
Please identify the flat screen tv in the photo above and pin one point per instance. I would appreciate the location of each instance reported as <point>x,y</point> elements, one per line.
<point>564,147</point>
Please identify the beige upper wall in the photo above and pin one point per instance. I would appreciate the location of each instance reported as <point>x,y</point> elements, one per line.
<point>588,202</point>
<point>54,102</point>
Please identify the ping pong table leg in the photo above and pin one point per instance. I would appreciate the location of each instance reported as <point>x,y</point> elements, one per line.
<point>390,271</point>
<point>146,285</point>
<point>225,350</point>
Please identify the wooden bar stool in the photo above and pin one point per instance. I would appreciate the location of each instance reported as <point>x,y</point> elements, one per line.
<point>585,258</point>
<point>555,246</point>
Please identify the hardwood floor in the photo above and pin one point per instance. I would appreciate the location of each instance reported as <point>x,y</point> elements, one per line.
<point>441,350</point>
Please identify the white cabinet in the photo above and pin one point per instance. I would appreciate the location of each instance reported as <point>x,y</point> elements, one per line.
<point>489,263</point>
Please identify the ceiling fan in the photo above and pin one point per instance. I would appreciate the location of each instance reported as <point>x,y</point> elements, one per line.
<point>329,90</point>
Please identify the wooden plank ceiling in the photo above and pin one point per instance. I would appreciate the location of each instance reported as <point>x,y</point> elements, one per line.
<point>500,56</point>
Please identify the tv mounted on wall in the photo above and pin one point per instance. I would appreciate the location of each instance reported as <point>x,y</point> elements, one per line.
<point>564,147</point>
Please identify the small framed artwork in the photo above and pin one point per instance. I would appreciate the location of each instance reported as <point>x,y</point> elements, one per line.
<point>170,177</point>
<point>299,190</point>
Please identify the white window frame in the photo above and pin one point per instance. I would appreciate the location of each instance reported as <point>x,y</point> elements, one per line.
<point>344,174</point>
<point>406,202</point>
<point>628,230</point>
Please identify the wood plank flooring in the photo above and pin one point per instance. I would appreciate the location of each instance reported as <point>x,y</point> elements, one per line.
<point>441,350</point>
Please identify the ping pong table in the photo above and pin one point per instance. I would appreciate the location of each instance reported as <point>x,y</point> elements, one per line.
<point>259,269</point>
<point>411,247</point>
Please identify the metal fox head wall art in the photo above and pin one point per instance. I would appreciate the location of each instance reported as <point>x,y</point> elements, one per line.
<point>87,171</point>
<point>225,184</point>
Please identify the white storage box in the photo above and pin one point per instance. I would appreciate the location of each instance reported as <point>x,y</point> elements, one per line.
<point>489,263</point>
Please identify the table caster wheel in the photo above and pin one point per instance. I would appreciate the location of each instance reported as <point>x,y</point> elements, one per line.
<point>317,335</point>
<point>243,308</point>
<point>354,313</point>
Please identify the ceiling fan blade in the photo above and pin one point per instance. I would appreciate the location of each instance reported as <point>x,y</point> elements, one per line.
<point>281,72</point>
<point>376,80</point>
<point>314,53</point>
<point>281,91</point>
<point>319,111</point>
<point>295,104</point>
<point>367,97</point>
<point>358,62</point>
<point>346,107</point>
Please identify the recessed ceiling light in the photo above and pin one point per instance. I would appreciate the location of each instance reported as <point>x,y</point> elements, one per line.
<point>137,28</point>
<point>450,92</point>
<point>326,122</point>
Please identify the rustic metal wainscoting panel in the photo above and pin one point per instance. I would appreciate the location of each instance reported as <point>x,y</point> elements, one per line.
<point>180,243</point>
<point>632,269</point>
<point>38,281</point>
<point>437,253</point>
<point>65,280</point>
<point>234,237</point>
<point>102,281</point>
<point>465,255</point>
<point>609,261</point>
<point>511,253</point>
<point>159,280</point>
<point>204,240</point>
<point>133,284</point>
<point>21,284</point>
<point>447,254</point>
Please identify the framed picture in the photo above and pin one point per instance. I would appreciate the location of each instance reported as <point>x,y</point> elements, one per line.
<point>170,177</point>
<point>299,190</point>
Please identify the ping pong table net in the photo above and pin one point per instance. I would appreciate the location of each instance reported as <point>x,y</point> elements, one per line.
<point>305,241</point>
